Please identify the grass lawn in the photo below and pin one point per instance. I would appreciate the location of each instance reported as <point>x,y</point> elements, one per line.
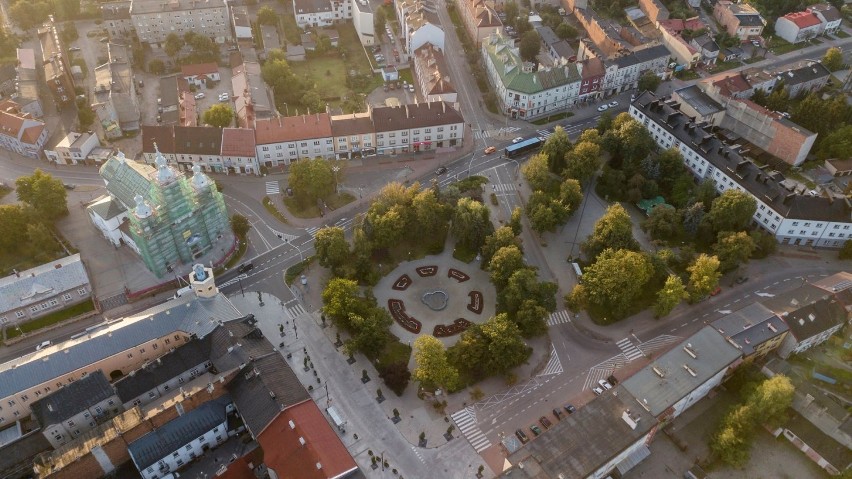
<point>841,34</point>
<point>338,200</point>
<point>406,75</point>
<point>779,46</point>
<point>270,207</point>
<point>464,254</point>
<point>395,352</point>
<point>333,202</point>
<point>52,318</point>
<point>297,269</point>
<point>687,75</point>
<point>241,250</point>
<point>4,190</point>
<point>722,66</point>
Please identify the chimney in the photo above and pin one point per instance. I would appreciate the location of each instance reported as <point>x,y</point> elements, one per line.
<point>302,441</point>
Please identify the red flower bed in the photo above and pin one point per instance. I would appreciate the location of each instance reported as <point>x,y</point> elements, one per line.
<point>457,275</point>
<point>397,311</point>
<point>444,330</point>
<point>476,303</point>
<point>425,271</point>
<point>402,283</point>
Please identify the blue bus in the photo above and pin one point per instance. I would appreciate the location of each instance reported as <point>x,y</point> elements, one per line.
<point>522,147</point>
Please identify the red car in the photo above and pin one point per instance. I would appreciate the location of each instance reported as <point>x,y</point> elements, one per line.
<point>716,291</point>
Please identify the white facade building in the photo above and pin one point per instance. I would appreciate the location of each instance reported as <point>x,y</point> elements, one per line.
<point>73,149</point>
<point>321,13</point>
<point>154,20</point>
<point>20,132</point>
<point>282,140</point>
<point>418,127</point>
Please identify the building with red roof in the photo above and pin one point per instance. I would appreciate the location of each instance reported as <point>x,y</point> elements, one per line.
<point>238,153</point>
<point>799,27</point>
<point>20,132</point>
<point>198,73</point>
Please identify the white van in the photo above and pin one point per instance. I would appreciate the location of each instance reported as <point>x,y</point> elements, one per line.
<point>577,271</point>
<point>43,345</point>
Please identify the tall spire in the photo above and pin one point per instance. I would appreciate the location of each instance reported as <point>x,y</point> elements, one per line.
<point>164,173</point>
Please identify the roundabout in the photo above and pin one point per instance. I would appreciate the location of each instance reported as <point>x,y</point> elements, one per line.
<point>436,295</point>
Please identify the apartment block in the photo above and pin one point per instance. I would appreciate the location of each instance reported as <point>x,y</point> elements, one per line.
<point>281,140</point>
<point>418,127</point>
<point>154,20</point>
<point>480,20</point>
<point>115,101</point>
<point>321,13</point>
<point>57,70</point>
<point>432,75</point>
<point>740,20</point>
<point>419,25</point>
<point>73,149</point>
<point>116,19</point>
<point>20,132</point>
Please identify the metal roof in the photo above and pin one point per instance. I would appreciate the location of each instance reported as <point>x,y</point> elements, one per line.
<point>44,281</point>
<point>751,326</point>
<point>72,399</point>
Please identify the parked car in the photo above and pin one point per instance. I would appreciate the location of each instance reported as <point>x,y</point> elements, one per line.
<point>557,414</point>
<point>159,118</point>
<point>607,386</point>
<point>199,96</point>
<point>522,437</point>
<point>597,390</point>
<point>74,49</point>
<point>441,170</point>
<point>611,379</point>
<point>570,408</point>
<point>410,87</point>
<point>613,104</point>
<point>517,140</point>
<point>490,150</point>
<point>742,279</point>
<point>603,108</point>
<point>545,422</point>
<point>716,291</point>
<point>535,430</point>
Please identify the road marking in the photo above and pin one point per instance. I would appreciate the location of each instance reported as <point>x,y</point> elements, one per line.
<point>273,188</point>
<point>559,317</point>
<point>658,343</point>
<point>296,311</point>
<point>544,133</point>
<point>554,366</point>
<point>465,420</point>
<point>503,187</point>
<point>312,231</point>
<point>417,453</point>
<point>603,369</point>
<point>631,352</point>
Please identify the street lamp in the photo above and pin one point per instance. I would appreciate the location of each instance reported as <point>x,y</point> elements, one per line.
<point>286,109</point>
<point>335,169</point>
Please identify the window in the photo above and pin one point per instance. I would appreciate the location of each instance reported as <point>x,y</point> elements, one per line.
<point>82,291</point>
<point>188,447</point>
<point>129,355</point>
<point>175,454</point>
<point>24,397</point>
<point>142,351</point>
<point>19,314</point>
<point>168,341</point>
<point>155,346</point>
<point>71,423</point>
<point>66,297</point>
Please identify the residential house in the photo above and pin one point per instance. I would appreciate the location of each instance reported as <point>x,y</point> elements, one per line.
<point>363,21</point>
<point>433,76</point>
<point>828,15</point>
<point>592,73</point>
<point>812,315</point>
<point>154,20</point>
<point>68,412</point>
<point>27,84</point>
<point>707,47</point>
<point>201,146</point>
<point>419,25</point>
<point>199,74</point>
<point>825,451</point>
<point>655,10</point>
<point>559,50</point>
<point>271,41</point>
<point>728,54</point>
<point>295,53</point>
<point>73,149</point>
<point>187,109</point>
<point>839,167</point>
<point>607,38</point>
<point>523,92</point>
<point>20,132</point>
<point>698,105</point>
<point>623,72</point>
<point>354,136</point>
<point>684,53</point>
<point>47,288</point>
<point>170,101</point>
<point>55,65</point>
<point>798,27</point>
<point>116,19</point>
<point>418,127</point>
<point>253,99</point>
<point>780,212</point>
<point>607,436</point>
<point>321,13</point>
<point>281,140</point>
<point>115,101</point>
<point>803,76</point>
<point>676,380</point>
<point>242,23</point>
<point>168,448</point>
<point>740,20</point>
<point>239,151</point>
<point>754,330</point>
<point>480,20</point>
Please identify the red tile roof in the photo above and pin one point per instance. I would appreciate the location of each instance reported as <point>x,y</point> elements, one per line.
<point>32,133</point>
<point>10,123</point>
<point>292,128</point>
<point>803,19</point>
<point>323,456</point>
<point>199,69</point>
<point>238,142</point>
<point>240,468</point>
<point>732,84</point>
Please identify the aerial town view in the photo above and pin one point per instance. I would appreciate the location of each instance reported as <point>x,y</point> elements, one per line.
<point>425,239</point>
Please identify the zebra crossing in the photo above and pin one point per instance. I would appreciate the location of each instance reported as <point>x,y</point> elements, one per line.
<point>559,317</point>
<point>296,311</point>
<point>312,231</point>
<point>630,351</point>
<point>658,343</point>
<point>554,365</point>
<point>485,134</point>
<point>465,420</point>
<point>603,370</point>
<point>273,188</point>
<point>503,187</point>
<point>544,133</point>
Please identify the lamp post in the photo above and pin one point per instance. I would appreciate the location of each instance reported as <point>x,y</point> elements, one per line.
<point>335,169</point>
<point>286,109</point>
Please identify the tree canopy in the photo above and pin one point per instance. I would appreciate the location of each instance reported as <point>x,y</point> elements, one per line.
<point>493,347</point>
<point>240,225</point>
<point>267,16</point>
<point>530,45</point>
<point>219,115</point>
<point>614,281</point>
<point>703,276</point>
<point>433,368</point>
<point>555,148</point>
<point>44,193</point>
<point>537,173</point>
<point>311,180</point>
<point>731,211</point>
<point>583,161</point>
<point>471,223</point>
<point>612,230</point>
<point>505,261</point>
<point>339,298</point>
<point>733,249</point>
<point>649,81</point>
<point>669,296</point>
<point>331,247</point>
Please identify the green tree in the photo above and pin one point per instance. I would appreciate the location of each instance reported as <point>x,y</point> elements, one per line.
<point>267,16</point>
<point>505,261</point>
<point>371,332</point>
<point>41,240</point>
<point>664,223</point>
<point>555,148</point>
<point>629,141</point>
<point>44,193</point>
<point>703,276</point>
<point>311,180</point>
<point>778,100</point>
<point>836,144</point>
<point>731,441</point>
<point>615,281</point>
<point>732,211</point>
<point>156,67</point>
<point>529,46</point>
<point>174,43</point>
<point>570,196</point>
<point>583,161</point>
<point>240,225</point>
<point>331,247</point>
<point>612,230</point>
<point>531,319</point>
<point>833,59</point>
<point>669,168</point>
<point>681,191</point>
<point>545,213</point>
<point>669,296</point>
<point>515,221</point>
<point>537,173</point>
<point>566,31</point>
<point>219,115</point>
<point>28,14</point>
<point>433,369</point>
<point>493,347</point>
<point>511,10</point>
<point>591,135</point>
<point>66,9</point>
<point>85,115</point>
<point>501,237</point>
<point>429,215</point>
<point>649,81</point>
<point>380,20</point>
<point>733,249</point>
<point>471,223</point>
<point>523,286</point>
<point>771,400</point>
<point>13,224</point>
<point>340,298</point>
<point>704,193</point>
<point>846,250</point>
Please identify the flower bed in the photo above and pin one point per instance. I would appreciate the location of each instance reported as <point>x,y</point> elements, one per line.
<point>425,271</point>
<point>397,311</point>
<point>402,283</point>
<point>457,275</point>
<point>444,330</point>
<point>476,302</point>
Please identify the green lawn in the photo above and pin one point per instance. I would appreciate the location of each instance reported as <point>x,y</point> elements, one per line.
<point>841,34</point>
<point>550,118</point>
<point>779,46</point>
<point>297,269</point>
<point>687,75</point>
<point>51,319</point>
<point>342,199</point>
<point>270,207</point>
<point>722,66</point>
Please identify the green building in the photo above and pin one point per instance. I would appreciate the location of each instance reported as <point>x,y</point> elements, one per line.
<point>167,218</point>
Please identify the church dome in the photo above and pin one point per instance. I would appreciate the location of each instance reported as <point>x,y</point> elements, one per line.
<point>199,179</point>
<point>143,210</point>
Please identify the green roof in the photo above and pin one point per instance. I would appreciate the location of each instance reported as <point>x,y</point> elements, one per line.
<point>509,66</point>
<point>126,179</point>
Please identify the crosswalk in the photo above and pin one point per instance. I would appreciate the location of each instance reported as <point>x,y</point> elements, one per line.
<point>559,317</point>
<point>554,365</point>
<point>660,342</point>
<point>544,133</point>
<point>273,188</point>
<point>296,311</point>
<point>484,134</point>
<point>503,187</point>
<point>465,420</point>
<point>603,370</point>
<point>630,351</point>
<point>312,231</point>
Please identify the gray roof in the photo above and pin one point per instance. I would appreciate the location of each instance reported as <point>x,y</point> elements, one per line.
<point>198,316</point>
<point>761,184</point>
<point>156,6</point>
<point>264,388</point>
<point>45,281</point>
<point>161,442</point>
<point>16,457</point>
<point>107,209</point>
<point>582,442</point>
<point>127,178</point>
<point>700,101</point>
<point>547,35</point>
<point>72,399</point>
<point>750,19</point>
<point>169,91</point>
<point>564,49</point>
<point>419,115</point>
<point>311,6</point>
<point>660,393</point>
<point>807,310</point>
<point>641,56</point>
<point>832,451</point>
<point>803,73</point>
<point>163,369</point>
<point>237,343</point>
<point>749,327</point>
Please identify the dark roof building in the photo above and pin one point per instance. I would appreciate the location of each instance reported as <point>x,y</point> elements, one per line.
<point>812,315</point>
<point>421,115</point>
<point>820,448</point>
<point>754,330</point>
<point>72,399</point>
<point>184,358</point>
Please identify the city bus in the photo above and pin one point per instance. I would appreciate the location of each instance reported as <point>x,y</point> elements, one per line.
<point>522,147</point>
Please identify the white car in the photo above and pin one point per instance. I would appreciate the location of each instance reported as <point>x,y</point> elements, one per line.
<point>603,108</point>
<point>518,140</point>
<point>613,104</point>
<point>199,96</point>
<point>604,384</point>
<point>598,391</point>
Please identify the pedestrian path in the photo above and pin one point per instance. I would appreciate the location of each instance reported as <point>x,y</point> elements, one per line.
<point>312,231</point>
<point>554,365</point>
<point>272,188</point>
<point>296,311</point>
<point>559,317</point>
<point>658,343</point>
<point>465,420</point>
<point>503,187</point>
<point>544,133</point>
<point>603,370</point>
<point>630,351</point>
<point>483,134</point>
